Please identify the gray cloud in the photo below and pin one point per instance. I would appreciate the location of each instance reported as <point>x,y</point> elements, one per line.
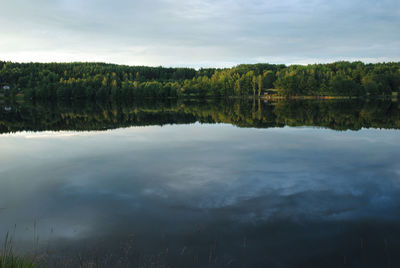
<point>200,33</point>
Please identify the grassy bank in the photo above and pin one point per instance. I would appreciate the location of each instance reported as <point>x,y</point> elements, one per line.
<point>12,261</point>
<point>9,260</point>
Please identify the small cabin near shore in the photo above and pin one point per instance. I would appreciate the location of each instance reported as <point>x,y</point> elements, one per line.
<point>269,92</point>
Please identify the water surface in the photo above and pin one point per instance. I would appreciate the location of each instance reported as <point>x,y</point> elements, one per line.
<point>184,185</point>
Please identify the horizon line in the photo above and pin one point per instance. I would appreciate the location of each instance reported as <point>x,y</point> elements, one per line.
<point>196,68</point>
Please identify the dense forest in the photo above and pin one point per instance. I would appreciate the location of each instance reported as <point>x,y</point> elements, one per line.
<point>49,81</point>
<point>334,114</point>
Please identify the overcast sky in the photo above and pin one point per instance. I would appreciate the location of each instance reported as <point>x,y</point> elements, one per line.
<point>199,33</point>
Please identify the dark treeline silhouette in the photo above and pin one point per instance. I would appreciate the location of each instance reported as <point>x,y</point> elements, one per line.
<point>50,81</point>
<point>333,114</point>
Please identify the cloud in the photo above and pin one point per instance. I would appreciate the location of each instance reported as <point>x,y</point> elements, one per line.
<point>199,33</point>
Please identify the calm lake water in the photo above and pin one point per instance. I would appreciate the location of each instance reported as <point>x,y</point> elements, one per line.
<point>203,184</point>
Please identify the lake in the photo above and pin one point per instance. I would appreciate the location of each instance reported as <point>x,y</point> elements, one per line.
<point>228,183</point>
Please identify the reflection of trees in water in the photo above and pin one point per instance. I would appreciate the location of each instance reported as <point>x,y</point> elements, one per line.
<point>334,114</point>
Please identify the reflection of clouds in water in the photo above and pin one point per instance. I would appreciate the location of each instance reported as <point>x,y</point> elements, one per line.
<point>47,134</point>
<point>268,203</point>
<point>186,174</point>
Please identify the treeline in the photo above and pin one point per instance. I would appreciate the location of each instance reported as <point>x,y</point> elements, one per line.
<point>340,79</point>
<point>50,81</point>
<point>76,115</point>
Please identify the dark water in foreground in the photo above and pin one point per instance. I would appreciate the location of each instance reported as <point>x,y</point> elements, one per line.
<point>304,184</point>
